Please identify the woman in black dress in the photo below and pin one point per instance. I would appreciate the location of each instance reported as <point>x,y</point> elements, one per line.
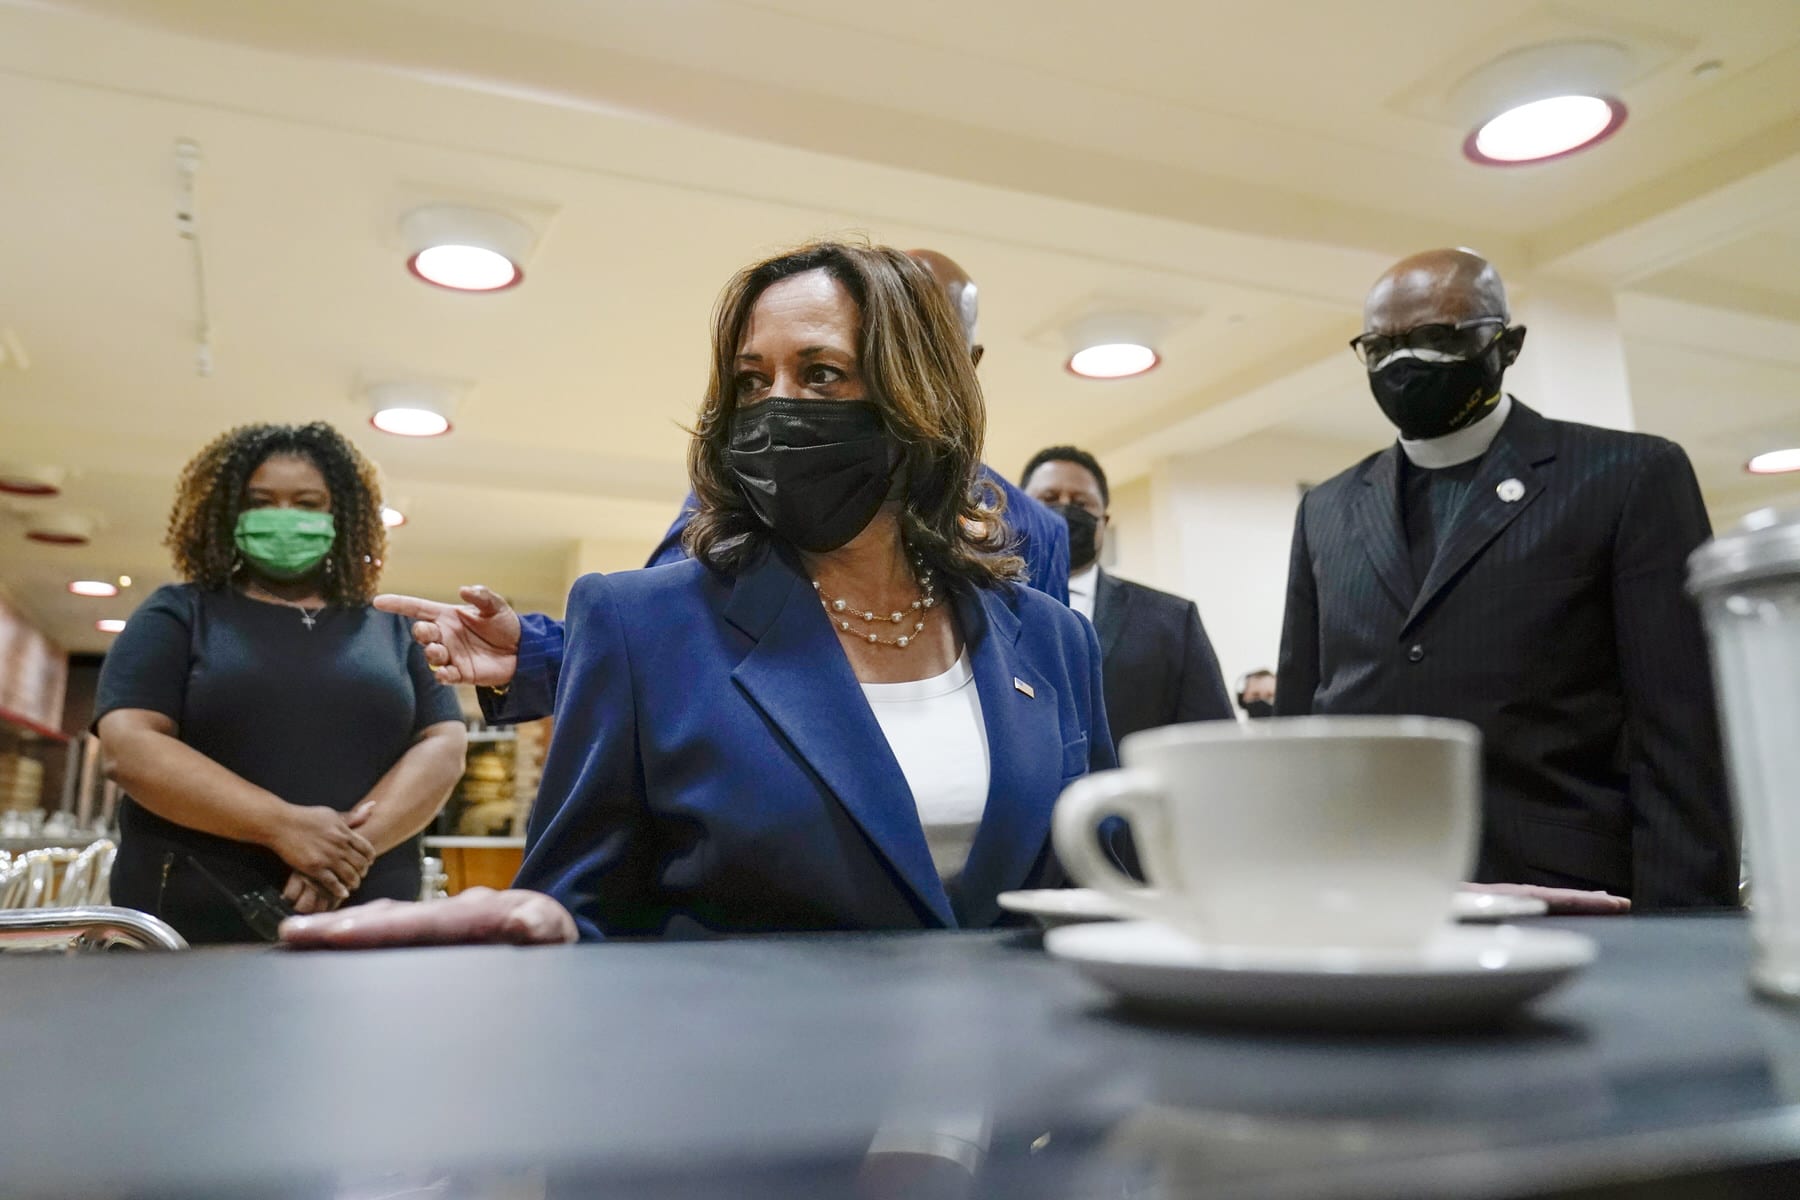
<point>273,732</point>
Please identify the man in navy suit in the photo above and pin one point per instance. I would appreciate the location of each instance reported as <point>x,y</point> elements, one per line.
<point>1523,574</point>
<point>1159,665</point>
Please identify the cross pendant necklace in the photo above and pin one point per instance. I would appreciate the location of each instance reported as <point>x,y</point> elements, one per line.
<point>308,617</point>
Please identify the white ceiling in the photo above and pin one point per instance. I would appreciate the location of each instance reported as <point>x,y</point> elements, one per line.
<point>1242,171</point>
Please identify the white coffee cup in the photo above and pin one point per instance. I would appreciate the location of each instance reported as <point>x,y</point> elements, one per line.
<point>1306,831</point>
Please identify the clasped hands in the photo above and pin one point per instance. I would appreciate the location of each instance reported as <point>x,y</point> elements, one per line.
<point>328,856</point>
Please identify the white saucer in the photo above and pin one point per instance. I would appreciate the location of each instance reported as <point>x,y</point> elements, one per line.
<point>1475,907</point>
<point>1460,977</point>
<point>1068,906</point>
<point>1064,906</point>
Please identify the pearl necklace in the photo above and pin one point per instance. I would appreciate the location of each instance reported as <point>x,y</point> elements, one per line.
<point>842,612</point>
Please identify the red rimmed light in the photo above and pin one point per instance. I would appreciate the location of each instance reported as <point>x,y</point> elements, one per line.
<point>1112,360</point>
<point>98,589</point>
<point>465,269</point>
<point>110,625</point>
<point>410,422</point>
<point>393,518</point>
<point>35,483</point>
<point>415,408</point>
<point>1775,462</point>
<point>464,249</point>
<point>60,529</point>
<point>1543,130</point>
<point>1113,345</point>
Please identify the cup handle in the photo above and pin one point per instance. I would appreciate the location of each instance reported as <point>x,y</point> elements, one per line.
<point>1134,796</point>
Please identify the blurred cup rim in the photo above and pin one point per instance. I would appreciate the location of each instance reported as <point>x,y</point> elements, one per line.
<point>1308,729</point>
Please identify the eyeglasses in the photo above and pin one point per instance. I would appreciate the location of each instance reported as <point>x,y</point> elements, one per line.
<point>1464,340</point>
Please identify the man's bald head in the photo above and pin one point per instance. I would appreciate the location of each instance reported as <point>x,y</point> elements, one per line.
<point>961,290</point>
<point>1438,287</point>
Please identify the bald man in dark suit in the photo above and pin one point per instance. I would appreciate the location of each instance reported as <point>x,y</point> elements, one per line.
<point>1523,574</point>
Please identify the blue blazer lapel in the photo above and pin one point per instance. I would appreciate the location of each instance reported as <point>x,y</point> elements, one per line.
<point>1024,734</point>
<point>797,675</point>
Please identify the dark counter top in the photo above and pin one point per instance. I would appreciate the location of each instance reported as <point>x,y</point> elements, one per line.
<point>768,1067</point>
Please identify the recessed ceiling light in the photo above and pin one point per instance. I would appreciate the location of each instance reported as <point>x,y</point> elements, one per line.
<point>109,625</point>
<point>465,268</point>
<point>1112,345</point>
<point>124,581</point>
<point>410,407</point>
<point>93,587</point>
<point>1545,129</point>
<point>1542,101</point>
<point>410,422</point>
<point>31,481</point>
<point>393,518</point>
<point>1113,360</point>
<point>465,249</point>
<point>1775,462</point>
<point>60,529</point>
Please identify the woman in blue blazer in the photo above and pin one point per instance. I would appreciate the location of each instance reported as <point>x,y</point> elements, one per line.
<point>843,712</point>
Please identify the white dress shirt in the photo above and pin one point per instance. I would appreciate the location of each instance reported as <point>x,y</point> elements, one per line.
<point>1081,590</point>
<point>935,730</point>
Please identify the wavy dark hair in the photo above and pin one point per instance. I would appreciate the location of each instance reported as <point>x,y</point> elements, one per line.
<point>915,361</point>
<point>210,495</point>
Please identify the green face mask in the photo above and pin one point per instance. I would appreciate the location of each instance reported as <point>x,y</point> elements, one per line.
<point>284,543</point>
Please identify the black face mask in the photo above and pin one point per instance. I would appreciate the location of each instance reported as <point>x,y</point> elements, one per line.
<point>1430,399</point>
<point>814,471</point>
<point>1257,709</point>
<point>1083,525</point>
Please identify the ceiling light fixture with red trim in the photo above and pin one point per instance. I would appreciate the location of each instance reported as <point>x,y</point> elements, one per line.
<point>32,482</point>
<point>465,249</point>
<point>60,529</point>
<point>1775,462</point>
<point>411,408</point>
<point>1544,102</point>
<point>1112,346</point>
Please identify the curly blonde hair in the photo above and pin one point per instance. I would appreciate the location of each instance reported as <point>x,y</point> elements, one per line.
<point>210,495</point>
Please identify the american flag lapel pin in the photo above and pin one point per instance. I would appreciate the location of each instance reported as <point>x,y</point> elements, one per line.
<point>1024,687</point>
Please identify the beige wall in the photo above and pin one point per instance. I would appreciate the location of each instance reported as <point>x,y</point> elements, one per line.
<point>604,556</point>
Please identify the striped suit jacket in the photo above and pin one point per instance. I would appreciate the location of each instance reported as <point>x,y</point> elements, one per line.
<point>1553,618</point>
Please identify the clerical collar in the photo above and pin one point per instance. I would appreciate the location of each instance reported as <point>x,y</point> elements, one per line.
<point>1465,445</point>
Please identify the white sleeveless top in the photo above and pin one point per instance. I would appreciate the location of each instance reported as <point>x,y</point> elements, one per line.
<point>934,728</point>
